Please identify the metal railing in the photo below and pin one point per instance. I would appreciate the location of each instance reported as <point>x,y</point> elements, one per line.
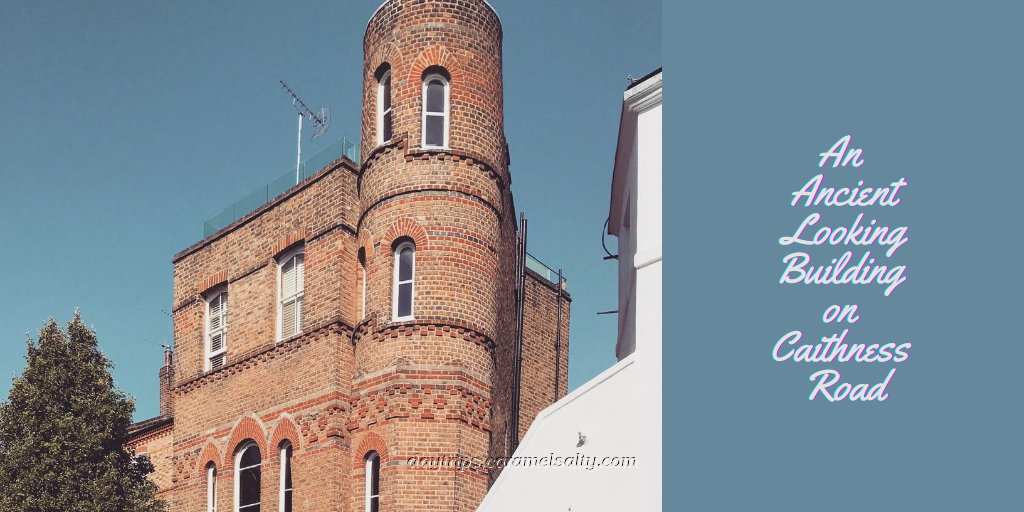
<point>545,271</point>
<point>263,195</point>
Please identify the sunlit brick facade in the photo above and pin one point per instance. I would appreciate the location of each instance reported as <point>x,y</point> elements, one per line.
<point>360,375</point>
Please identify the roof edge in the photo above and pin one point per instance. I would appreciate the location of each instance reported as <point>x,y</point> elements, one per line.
<point>381,6</point>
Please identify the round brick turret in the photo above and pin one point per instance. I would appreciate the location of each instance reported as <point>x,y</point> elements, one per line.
<point>426,381</point>
<point>448,200</point>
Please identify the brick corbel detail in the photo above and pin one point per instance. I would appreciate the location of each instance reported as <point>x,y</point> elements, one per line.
<point>426,327</point>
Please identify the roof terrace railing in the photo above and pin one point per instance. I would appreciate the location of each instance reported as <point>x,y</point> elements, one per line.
<point>545,271</point>
<point>263,195</point>
<point>310,166</point>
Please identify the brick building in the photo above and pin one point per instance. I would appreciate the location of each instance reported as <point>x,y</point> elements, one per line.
<point>369,314</point>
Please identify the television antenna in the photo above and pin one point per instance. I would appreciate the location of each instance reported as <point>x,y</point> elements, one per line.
<point>320,120</point>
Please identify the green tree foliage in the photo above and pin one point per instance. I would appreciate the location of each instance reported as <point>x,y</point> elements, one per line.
<point>63,432</point>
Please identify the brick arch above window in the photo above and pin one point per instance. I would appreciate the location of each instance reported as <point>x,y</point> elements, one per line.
<point>286,242</point>
<point>248,428</point>
<point>209,454</point>
<point>365,242</point>
<point>406,227</point>
<point>212,281</point>
<point>437,56</point>
<point>285,431</point>
<point>371,443</point>
<point>385,53</point>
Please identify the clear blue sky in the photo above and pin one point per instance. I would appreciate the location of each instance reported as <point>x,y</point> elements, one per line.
<point>123,125</point>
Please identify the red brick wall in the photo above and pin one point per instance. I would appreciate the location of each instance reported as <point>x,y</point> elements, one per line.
<point>424,386</point>
<point>159,445</point>
<point>464,37</point>
<point>540,321</point>
<point>321,213</point>
<point>304,380</point>
<point>351,383</point>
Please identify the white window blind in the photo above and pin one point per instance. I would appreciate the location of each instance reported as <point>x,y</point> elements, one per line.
<point>216,330</point>
<point>291,293</point>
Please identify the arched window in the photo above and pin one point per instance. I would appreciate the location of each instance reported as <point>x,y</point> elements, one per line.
<point>405,268</point>
<point>211,488</point>
<point>362,266</point>
<point>384,113</point>
<point>372,482</point>
<point>291,276</point>
<point>247,478</point>
<point>286,477</point>
<point>435,111</point>
<point>216,328</point>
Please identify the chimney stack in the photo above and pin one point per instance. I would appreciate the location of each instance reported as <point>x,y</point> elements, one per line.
<point>167,383</point>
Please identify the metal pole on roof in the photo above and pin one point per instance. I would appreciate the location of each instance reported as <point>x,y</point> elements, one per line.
<point>520,310</point>
<point>298,155</point>
<point>558,337</point>
<point>321,121</point>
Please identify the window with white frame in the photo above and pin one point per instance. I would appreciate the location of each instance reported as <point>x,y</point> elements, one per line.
<point>384,112</point>
<point>362,266</point>
<point>286,478</point>
<point>372,482</point>
<point>247,478</point>
<point>211,488</point>
<point>291,279</point>
<point>405,268</point>
<point>216,328</point>
<point>435,111</point>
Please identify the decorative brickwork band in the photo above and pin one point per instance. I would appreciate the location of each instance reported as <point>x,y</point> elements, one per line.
<point>426,327</point>
<point>262,355</point>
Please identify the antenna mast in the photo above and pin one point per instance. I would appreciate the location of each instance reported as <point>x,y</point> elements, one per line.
<point>321,120</point>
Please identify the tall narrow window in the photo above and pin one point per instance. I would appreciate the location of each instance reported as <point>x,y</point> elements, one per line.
<point>362,265</point>
<point>211,488</point>
<point>405,267</point>
<point>216,329</point>
<point>291,291</point>
<point>247,480</point>
<point>435,111</point>
<point>372,482</point>
<point>286,478</point>
<point>384,108</point>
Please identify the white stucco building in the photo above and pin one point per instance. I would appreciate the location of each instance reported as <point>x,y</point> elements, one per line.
<point>616,415</point>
